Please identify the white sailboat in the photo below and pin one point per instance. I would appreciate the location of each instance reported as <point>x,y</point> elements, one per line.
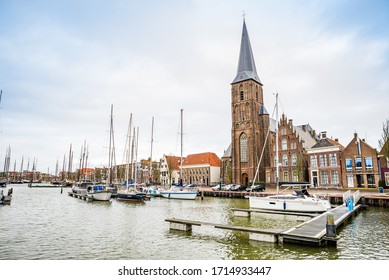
<point>128,192</point>
<point>103,192</point>
<point>298,201</point>
<point>180,192</point>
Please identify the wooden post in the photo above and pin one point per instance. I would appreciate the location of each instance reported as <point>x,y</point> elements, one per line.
<point>330,230</point>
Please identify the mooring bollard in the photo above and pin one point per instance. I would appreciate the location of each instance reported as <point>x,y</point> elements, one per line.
<point>330,230</point>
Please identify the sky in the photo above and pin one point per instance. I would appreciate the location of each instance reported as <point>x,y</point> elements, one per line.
<point>64,63</point>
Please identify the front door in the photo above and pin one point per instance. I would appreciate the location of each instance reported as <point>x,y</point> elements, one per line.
<point>245,179</point>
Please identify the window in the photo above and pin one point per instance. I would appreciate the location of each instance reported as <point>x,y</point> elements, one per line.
<point>283,131</point>
<point>256,95</point>
<point>241,96</point>
<point>386,178</point>
<point>323,160</point>
<point>333,161</point>
<point>349,164</point>
<point>369,162</point>
<point>294,160</point>
<point>314,161</point>
<point>284,144</point>
<point>350,181</point>
<point>243,148</point>
<point>324,177</point>
<point>358,163</point>
<point>285,160</point>
<point>370,180</point>
<point>334,177</point>
<point>286,176</point>
<point>295,176</point>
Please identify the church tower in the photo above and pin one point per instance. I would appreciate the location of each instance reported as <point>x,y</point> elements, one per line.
<point>250,120</point>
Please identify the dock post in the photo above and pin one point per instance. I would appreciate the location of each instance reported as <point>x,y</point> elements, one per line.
<point>330,230</point>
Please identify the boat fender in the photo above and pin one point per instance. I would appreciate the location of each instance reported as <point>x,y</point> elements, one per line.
<point>284,204</point>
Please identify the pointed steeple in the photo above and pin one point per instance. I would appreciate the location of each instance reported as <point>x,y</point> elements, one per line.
<point>246,65</point>
<point>262,111</point>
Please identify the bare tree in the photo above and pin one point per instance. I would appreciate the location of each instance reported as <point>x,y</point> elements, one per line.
<point>384,141</point>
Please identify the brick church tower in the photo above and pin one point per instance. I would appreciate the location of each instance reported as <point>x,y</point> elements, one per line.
<point>250,120</point>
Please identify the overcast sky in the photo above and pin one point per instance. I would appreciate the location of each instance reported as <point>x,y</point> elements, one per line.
<point>63,63</point>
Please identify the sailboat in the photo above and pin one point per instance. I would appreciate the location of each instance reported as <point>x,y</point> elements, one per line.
<point>128,192</point>
<point>180,191</point>
<point>298,201</point>
<point>103,192</point>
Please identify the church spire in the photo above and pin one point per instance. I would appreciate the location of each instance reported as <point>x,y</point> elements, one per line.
<point>246,65</point>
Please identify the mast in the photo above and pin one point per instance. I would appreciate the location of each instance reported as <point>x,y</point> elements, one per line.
<point>151,150</point>
<point>136,154</point>
<point>277,143</point>
<point>180,177</point>
<point>128,148</point>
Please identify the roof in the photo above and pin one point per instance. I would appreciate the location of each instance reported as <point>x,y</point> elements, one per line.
<point>204,158</point>
<point>305,135</point>
<point>227,153</point>
<point>173,162</point>
<point>327,142</point>
<point>246,64</point>
<point>262,111</point>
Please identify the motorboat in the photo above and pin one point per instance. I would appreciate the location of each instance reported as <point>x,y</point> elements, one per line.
<point>298,201</point>
<point>180,192</point>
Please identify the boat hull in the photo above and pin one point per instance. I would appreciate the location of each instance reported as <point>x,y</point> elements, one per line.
<point>293,205</point>
<point>131,196</point>
<point>179,195</point>
<point>100,196</point>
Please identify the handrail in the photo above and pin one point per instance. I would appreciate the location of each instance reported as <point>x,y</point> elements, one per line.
<point>356,197</point>
<point>346,196</point>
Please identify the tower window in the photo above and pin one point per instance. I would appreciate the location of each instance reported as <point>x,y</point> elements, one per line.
<point>243,148</point>
<point>256,95</point>
<point>241,96</point>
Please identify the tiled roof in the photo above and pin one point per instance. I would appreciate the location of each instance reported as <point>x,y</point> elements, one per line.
<point>227,153</point>
<point>204,158</point>
<point>327,142</point>
<point>173,162</point>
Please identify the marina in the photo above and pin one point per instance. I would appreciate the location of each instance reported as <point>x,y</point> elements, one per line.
<point>67,228</point>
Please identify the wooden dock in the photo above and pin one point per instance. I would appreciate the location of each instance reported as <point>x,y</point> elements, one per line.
<point>267,235</point>
<point>311,232</point>
<point>300,216</point>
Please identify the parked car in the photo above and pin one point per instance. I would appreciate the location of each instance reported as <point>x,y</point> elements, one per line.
<point>239,188</point>
<point>218,187</point>
<point>228,187</point>
<point>256,188</point>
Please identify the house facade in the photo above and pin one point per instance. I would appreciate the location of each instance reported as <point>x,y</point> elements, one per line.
<point>325,163</point>
<point>201,169</point>
<point>360,165</point>
<point>169,170</point>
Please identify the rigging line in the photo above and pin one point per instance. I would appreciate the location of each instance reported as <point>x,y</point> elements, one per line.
<point>282,107</point>
<point>263,148</point>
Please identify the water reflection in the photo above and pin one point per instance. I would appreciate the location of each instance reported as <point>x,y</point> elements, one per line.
<point>45,224</point>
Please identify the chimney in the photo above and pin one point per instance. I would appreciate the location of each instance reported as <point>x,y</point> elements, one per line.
<point>355,135</point>
<point>336,139</point>
<point>324,134</point>
<point>291,122</point>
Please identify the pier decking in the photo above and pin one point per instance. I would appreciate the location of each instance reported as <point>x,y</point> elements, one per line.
<point>311,232</point>
<point>314,231</point>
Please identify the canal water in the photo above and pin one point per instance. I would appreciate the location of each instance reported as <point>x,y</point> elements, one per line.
<point>45,224</point>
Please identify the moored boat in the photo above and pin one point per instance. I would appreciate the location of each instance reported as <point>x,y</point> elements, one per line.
<point>180,192</point>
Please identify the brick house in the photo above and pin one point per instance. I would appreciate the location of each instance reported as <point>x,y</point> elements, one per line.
<point>360,164</point>
<point>325,162</point>
<point>201,169</point>
<point>292,144</point>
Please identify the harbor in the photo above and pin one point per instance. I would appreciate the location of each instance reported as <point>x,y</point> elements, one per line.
<point>68,228</point>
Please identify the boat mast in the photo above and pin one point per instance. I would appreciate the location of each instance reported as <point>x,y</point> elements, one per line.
<point>109,179</point>
<point>277,143</point>
<point>151,150</point>
<point>128,149</point>
<point>182,112</point>
<point>136,154</point>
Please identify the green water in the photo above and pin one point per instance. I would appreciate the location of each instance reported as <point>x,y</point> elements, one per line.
<point>44,224</point>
